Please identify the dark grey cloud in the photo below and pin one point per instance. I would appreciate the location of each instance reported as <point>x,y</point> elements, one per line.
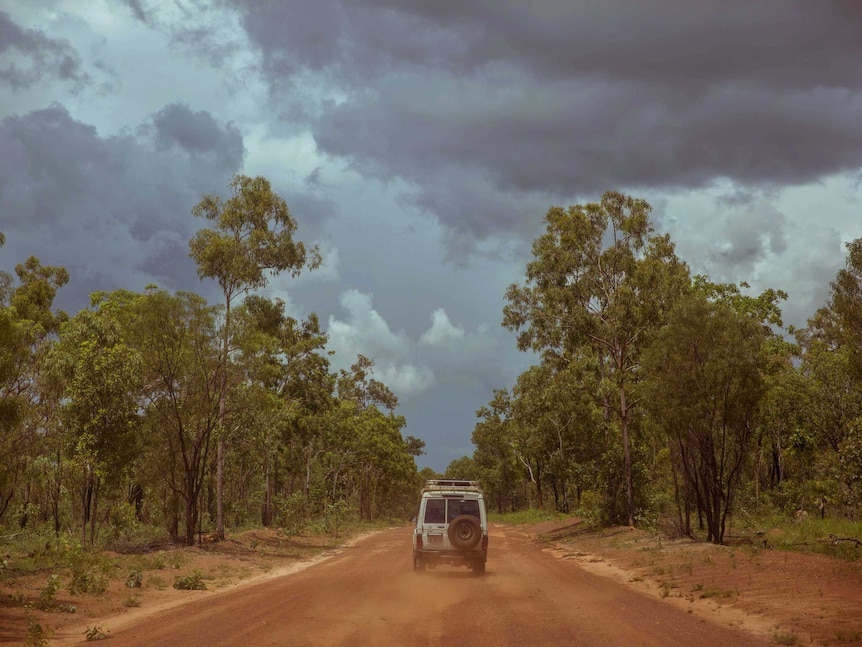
<point>137,10</point>
<point>778,42</point>
<point>32,57</point>
<point>115,211</point>
<point>176,126</point>
<point>752,233</point>
<point>560,99</point>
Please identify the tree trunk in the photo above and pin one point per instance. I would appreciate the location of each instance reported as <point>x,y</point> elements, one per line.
<point>220,480</point>
<point>191,516</point>
<point>221,428</point>
<point>86,500</point>
<point>627,457</point>
<point>94,513</point>
<point>267,497</point>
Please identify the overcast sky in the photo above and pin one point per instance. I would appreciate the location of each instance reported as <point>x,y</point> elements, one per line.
<point>420,144</point>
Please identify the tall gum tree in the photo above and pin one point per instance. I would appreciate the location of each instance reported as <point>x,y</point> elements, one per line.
<point>180,348</point>
<point>251,238</point>
<point>32,325</point>
<point>101,378</point>
<point>832,363</point>
<point>706,379</point>
<point>599,285</point>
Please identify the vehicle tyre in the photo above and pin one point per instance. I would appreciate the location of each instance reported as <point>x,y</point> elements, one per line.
<point>464,532</point>
<point>479,567</point>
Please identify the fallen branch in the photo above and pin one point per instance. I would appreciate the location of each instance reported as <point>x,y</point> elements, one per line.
<point>835,539</point>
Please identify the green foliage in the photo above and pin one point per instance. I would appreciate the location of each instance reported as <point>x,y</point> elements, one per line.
<point>704,388</point>
<point>336,516</point>
<point>192,582</point>
<point>86,581</point>
<point>252,232</point>
<point>37,635</point>
<point>527,516</point>
<point>48,596</point>
<point>112,418</point>
<point>135,580</point>
<point>592,508</point>
<point>600,285</point>
<point>292,513</point>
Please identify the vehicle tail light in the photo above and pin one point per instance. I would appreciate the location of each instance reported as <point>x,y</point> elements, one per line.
<point>419,541</point>
<point>484,542</point>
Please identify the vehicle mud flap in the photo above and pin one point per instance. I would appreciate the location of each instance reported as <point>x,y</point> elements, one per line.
<point>465,532</point>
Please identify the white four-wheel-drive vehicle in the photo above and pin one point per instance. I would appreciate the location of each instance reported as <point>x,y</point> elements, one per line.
<point>452,526</point>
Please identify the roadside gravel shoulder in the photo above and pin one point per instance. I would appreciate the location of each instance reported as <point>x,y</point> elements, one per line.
<point>795,598</point>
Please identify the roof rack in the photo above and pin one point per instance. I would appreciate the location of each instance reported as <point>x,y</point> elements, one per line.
<point>451,484</point>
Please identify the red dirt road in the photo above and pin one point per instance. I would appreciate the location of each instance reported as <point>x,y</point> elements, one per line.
<point>368,595</point>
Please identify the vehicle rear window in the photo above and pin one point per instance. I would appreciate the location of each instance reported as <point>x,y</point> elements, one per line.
<point>435,511</point>
<point>467,506</point>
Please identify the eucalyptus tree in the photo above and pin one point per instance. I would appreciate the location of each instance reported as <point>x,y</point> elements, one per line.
<point>5,277</point>
<point>14,355</point>
<point>179,343</point>
<point>599,285</point>
<point>846,305</point>
<point>533,426</point>
<point>286,360</point>
<point>34,297</point>
<point>464,468</point>
<point>384,469</point>
<point>832,365</point>
<point>372,459</point>
<point>785,410</point>
<point>785,394</point>
<point>705,382</point>
<point>495,453</point>
<point>251,237</point>
<point>99,376</point>
<point>358,386</point>
<point>12,352</point>
<point>29,326</point>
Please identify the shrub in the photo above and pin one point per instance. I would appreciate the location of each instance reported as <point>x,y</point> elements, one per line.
<point>48,596</point>
<point>193,582</point>
<point>291,513</point>
<point>87,581</point>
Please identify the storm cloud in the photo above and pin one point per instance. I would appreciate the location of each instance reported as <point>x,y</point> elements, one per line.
<point>28,56</point>
<point>69,195</point>
<point>420,144</point>
<point>567,99</point>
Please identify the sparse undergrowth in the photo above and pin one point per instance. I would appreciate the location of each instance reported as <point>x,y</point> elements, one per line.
<point>526,516</point>
<point>789,580</point>
<point>42,575</point>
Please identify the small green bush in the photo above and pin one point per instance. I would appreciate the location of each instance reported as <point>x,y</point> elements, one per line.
<point>335,517</point>
<point>193,582</point>
<point>135,580</point>
<point>48,596</point>
<point>87,581</point>
<point>37,635</point>
<point>292,514</point>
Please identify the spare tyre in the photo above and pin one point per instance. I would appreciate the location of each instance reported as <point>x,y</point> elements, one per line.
<point>464,532</point>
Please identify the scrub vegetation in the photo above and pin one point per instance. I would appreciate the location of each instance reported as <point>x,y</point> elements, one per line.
<point>660,399</point>
<point>153,418</point>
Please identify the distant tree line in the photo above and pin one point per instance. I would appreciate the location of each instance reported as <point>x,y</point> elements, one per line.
<point>159,410</point>
<point>662,394</point>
